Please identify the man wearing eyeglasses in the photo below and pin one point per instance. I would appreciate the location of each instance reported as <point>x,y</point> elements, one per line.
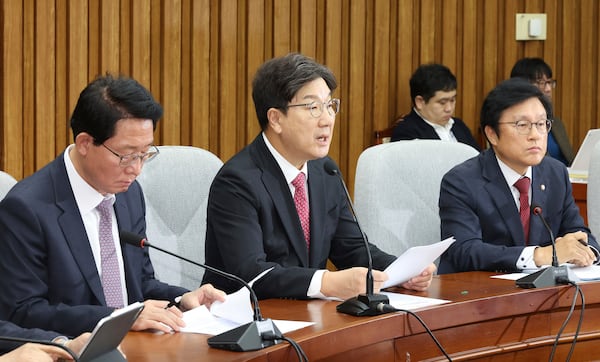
<point>539,73</point>
<point>486,202</point>
<point>273,206</point>
<point>62,264</point>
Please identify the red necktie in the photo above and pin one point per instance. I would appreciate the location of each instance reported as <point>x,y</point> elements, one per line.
<point>301,202</point>
<point>523,186</point>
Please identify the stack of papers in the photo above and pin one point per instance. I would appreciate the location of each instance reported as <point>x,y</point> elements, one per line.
<point>583,274</point>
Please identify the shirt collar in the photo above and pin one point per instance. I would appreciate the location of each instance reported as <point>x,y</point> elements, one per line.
<point>510,175</point>
<point>289,171</point>
<point>86,196</point>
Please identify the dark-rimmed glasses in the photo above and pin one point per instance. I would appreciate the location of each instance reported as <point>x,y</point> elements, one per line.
<point>543,83</point>
<point>130,159</point>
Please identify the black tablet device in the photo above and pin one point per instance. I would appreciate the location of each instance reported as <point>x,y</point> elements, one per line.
<point>108,334</point>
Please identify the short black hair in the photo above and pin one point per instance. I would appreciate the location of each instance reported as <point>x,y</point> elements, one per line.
<point>108,99</point>
<point>507,94</point>
<point>430,78</point>
<point>279,79</point>
<point>531,69</point>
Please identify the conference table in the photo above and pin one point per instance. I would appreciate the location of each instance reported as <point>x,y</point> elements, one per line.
<point>486,319</point>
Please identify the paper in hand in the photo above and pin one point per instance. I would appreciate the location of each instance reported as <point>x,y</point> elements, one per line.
<point>414,261</point>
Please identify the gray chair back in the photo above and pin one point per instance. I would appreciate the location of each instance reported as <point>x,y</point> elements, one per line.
<point>176,185</point>
<point>397,190</point>
<point>593,192</point>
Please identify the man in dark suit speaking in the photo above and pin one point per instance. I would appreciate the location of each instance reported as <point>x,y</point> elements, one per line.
<point>485,202</point>
<point>273,205</point>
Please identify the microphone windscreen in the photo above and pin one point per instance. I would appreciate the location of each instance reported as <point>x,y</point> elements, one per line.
<point>330,167</point>
<point>131,238</point>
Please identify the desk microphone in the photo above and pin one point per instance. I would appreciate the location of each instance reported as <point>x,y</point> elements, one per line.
<point>258,334</point>
<point>550,276</point>
<point>47,343</point>
<point>368,304</point>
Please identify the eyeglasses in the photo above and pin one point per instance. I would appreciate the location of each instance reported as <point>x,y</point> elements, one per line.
<point>543,83</point>
<point>130,159</point>
<point>316,107</point>
<point>524,127</point>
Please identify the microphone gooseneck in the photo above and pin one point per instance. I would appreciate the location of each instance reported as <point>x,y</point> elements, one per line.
<point>331,169</point>
<point>550,276</point>
<point>137,240</point>
<point>537,211</point>
<point>368,304</point>
<point>258,334</point>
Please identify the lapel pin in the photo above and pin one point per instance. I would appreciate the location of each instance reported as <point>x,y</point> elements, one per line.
<point>543,187</point>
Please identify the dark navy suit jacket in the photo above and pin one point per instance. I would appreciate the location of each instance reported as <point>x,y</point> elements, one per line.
<point>49,276</point>
<point>414,127</point>
<point>478,209</point>
<point>252,225</point>
<point>8,329</point>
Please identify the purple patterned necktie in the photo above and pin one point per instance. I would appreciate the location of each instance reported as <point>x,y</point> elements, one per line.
<point>523,186</point>
<point>111,277</point>
<point>301,202</point>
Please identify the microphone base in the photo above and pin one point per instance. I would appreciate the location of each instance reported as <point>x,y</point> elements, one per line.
<point>547,277</point>
<point>364,305</point>
<point>248,337</point>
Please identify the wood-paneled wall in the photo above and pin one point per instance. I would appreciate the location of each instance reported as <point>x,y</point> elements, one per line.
<point>198,58</point>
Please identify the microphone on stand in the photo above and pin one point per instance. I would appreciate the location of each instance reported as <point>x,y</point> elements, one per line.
<point>550,276</point>
<point>258,334</point>
<point>367,304</point>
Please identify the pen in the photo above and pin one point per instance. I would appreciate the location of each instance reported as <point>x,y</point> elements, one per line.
<point>174,303</point>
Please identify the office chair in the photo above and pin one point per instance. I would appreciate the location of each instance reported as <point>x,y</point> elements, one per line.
<point>397,189</point>
<point>176,185</point>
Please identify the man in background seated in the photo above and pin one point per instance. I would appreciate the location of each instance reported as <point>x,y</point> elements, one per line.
<point>485,201</point>
<point>433,94</point>
<point>273,206</point>
<point>35,352</point>
<point>536,71</point>
<point>62,263</point>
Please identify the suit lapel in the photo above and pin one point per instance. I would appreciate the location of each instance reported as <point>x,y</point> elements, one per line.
<point>502,197</point>
<point>278,190</point>
<point>74,232</point>
<point>317,197</point>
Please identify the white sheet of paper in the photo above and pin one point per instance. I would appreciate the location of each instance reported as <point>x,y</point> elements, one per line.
<point>585,274</point>
<point>412,302</point>
<point>235,311</point>
<point>200,320</point>
<point>413,261</point>
<point>237,306</point>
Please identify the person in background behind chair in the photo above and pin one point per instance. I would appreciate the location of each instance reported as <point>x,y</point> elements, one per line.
<point>536,71</point>
<point>485,202</point>
<point>433,94</point>
<point>62,264</point>
<point>36,352</point>
<point>273,206</point>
